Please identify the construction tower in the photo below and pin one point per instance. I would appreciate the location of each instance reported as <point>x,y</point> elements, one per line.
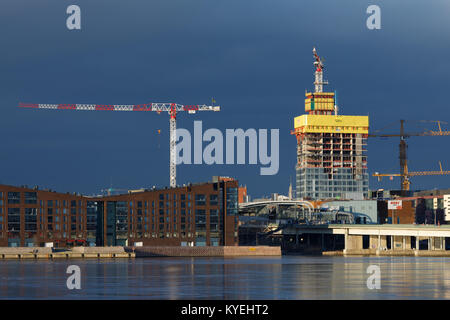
<point>331,148</point>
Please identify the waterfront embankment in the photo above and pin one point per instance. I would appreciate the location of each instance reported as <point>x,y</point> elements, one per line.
<point>62,253</point>
<point>134,252</point>
<point>224,251</point>
<point>388,253</point>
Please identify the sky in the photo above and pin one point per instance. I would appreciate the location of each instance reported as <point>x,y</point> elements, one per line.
<point>253,56</point>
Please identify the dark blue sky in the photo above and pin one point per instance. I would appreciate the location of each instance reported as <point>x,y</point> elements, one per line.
<point>253,56</point>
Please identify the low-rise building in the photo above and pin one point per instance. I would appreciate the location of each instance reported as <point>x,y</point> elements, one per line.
<point>363,211</point>
<point>202,214</point>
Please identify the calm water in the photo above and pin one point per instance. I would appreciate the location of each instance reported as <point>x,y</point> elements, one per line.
<point>287,277</point>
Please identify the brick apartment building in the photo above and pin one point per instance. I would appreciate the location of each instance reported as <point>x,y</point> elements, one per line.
<point>194,215</point>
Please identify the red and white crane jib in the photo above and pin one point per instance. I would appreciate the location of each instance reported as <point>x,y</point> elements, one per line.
<point>171,108</point>
<point>157,107</point>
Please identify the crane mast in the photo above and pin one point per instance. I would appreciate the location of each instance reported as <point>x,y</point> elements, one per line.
<point>405,174</point>
<point>173,143</point>
<point>171,108</point>
<point>318,74</point>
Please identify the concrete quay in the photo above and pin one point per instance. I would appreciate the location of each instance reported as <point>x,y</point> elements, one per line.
<point>27,253</point>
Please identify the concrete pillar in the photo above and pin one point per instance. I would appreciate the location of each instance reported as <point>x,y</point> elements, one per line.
<point>346,244</point>
<point>404,243</point>
<point>443,243</point>
<point>417,242</point>
<point>392,243</point>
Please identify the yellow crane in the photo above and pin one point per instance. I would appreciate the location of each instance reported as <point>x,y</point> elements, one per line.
<point>404,172</point>
<point>406,175</point>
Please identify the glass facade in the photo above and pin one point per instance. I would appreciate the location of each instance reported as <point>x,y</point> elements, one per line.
<point>232,201</point>
<point>316,183</point>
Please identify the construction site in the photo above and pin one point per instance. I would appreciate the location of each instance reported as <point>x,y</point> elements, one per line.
<point>331,187</point>
<point>332,178</point>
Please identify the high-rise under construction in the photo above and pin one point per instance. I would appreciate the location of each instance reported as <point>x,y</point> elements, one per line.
<point>331,148</point>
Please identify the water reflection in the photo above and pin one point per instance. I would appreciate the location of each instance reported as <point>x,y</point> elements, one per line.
<point>290,277</point>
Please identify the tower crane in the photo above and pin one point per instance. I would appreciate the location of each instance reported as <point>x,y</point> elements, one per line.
<point>404,173</point>
<point>171,108</point>
<point>318,75</point>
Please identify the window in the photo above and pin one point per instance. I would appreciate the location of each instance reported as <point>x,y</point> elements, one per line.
<point>214,220</point>
<point>200,220</point>
<point>213,199</point>
<point>13,197</point>
<point>30,197</point>
<point>232,201</point>
<point>14,219</point>
<point>200,200</point>
<point>30,219</point>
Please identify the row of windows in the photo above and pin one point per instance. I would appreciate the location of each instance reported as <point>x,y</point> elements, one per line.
<point>92,214</point>
<point>32,226</point>
<point>31,198</point>
<point>34,211</point>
